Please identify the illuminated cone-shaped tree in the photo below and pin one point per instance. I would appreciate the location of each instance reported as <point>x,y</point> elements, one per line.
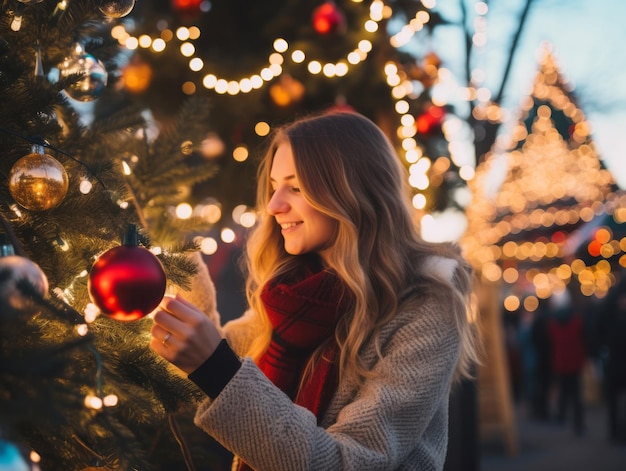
<point>532,197</point>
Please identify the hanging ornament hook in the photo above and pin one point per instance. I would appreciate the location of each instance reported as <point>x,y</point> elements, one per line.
<point>38,62</point>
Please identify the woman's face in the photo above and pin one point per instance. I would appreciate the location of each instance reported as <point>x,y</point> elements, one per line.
<point>304,228</point>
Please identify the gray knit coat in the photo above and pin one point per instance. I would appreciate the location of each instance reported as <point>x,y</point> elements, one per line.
<point>397,419</point>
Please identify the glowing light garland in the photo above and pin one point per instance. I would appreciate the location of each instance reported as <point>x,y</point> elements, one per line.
<point>272,70</point>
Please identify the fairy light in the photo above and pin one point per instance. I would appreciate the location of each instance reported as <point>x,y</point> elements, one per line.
<point>262,128</point>
<point>211,212</point>
<point>419,201</point>
<point>91,313</point>
<point>126,170</point>
<point>158,45</point>
<point>184,211</point>
<point>227,235</point>
<point>298,56</point>
<point>182,33</point>
<point>82,329</point>
<point>240,153</point>
<point>187,35</point>
<point>93,402</point>
<point>187,49</point>
<point>131,43</point>
<point>34,457</point>
<point>85,186</point>
<point>144,41</point>
<point>314,67</point>
<point>208,246</point>
<point>110,400</point>
<point>248,219</point>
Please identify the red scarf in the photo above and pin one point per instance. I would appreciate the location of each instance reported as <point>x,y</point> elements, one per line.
<point>303,309</point>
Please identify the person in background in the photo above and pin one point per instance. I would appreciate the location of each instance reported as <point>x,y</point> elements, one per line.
<point>567,338</point>
<point>357,328</point>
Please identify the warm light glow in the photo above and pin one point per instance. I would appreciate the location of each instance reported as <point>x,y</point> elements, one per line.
<point>85,186</point>
<point>298,56</point>
<point>184,211</point>
<point>91,312</point>
<point>93,402</point>
<point>211,212</point>
<point>280,45</point>
<point>110,400</point>
<point>511,303</point>
<point>227,235</point>
<point>240,153</point>
<point>262,128</point>
<point>248,219</point>
<point>545,183</point>
<point>208,246</point>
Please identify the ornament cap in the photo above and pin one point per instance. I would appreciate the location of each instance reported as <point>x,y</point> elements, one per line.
<point>131,236</point>
<point>6,248</point>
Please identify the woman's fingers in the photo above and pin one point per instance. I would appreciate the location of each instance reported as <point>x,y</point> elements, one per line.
<point>182,334</point>
<point>160,334</point>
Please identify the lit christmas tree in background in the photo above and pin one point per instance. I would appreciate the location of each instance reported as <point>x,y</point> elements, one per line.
<point>546,213</point>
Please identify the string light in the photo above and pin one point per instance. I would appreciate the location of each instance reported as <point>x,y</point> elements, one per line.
<point>273,69</point>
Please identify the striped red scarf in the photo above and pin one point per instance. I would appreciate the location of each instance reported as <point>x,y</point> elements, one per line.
<point>303,309</point>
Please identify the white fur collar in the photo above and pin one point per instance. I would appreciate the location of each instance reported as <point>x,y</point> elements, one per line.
<point>441,267</point>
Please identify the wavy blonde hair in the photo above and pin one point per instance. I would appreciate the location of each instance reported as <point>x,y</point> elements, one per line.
<point>348,170</point>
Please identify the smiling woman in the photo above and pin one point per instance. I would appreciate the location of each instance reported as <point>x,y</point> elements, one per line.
<point>304,228</point>
<point>356,328</point>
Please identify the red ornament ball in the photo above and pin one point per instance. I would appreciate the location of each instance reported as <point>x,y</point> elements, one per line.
<point>430,121</point>
<point>328,19</point>
<point>187,6</point>
<point>127,282</point>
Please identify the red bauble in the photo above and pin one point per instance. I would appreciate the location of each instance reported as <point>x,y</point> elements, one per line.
<point>328,19</point>
<point>187,6</point>
<point>127,282</point>
<point>429,122</point>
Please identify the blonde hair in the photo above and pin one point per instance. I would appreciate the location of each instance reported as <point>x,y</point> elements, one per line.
<point>348,170</point>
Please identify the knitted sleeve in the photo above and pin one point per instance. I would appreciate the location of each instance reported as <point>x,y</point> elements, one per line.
<point>396,418</point>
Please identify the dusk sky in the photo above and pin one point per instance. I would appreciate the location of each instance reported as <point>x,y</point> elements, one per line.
<point>588,41</point>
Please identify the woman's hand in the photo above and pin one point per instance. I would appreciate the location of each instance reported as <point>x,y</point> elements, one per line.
<point>182,334</point>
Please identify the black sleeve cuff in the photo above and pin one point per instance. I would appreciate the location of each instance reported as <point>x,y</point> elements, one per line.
<point>217,370</point>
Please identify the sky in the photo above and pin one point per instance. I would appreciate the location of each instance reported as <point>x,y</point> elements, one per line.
<point>588,40</point>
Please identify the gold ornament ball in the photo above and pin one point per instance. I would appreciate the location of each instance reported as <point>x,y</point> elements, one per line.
<point>38,182</point>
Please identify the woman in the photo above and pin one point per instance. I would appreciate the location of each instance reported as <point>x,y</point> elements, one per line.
<point>356,328</point>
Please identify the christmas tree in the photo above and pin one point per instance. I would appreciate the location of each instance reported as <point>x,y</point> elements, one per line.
<point>82,169</point>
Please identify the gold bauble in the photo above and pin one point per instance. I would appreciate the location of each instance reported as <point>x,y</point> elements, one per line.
<point>38,182</point>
